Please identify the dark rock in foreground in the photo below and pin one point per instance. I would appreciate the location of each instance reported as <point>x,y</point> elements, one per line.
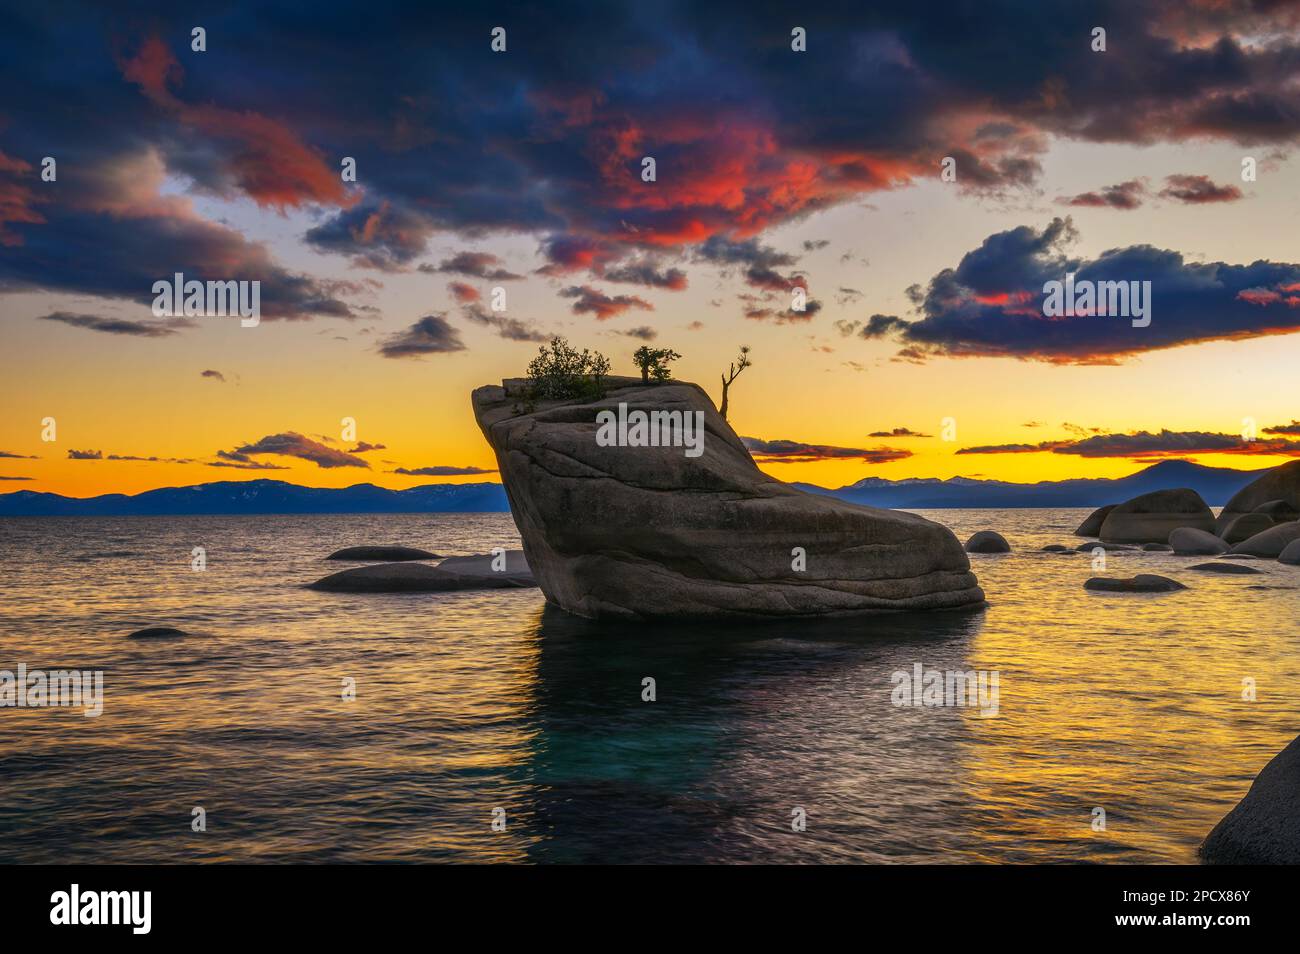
<point>634,530</point>
<point>1152,517</point>
<point>158,632</point>
<point>1230,568</point>
<point>387,554</point>
<point>987,541</point>
<point>1279,488</point>
<point>1271,542</point>
<point>1187,541</point>
<point>463,573</point>
<point>1264,828</point>
<point>1142,583</point>
<point>1091,526</point>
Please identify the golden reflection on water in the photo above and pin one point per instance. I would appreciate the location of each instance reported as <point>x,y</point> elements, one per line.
<point>470,702</point>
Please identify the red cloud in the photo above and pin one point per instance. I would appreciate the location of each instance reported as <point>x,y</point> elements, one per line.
<point>267,162</point>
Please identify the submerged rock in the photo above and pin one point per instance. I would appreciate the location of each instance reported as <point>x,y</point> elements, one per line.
<point>1271,542</point>
<point>690,527</point>
<point>1279,487</point>
<point>1142,583</point>
<point>1150,518</point>
<point>1108,547</point>
<point>1238,568</point>
<point>1290,554</point>
<point>1157,547</point>
<point>1056,548</point>
<point>468,573</point>
<point>1091,526</point>
<point>158,632</point>
<point>387,554</point>
<point>1264,828</point>
<point>1189,542</point>
<point>987,541</point>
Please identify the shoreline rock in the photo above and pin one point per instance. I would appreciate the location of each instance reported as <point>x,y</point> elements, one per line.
<point>1264,827</point>
<point>1187,541</point>
<point>643,532</point>
<point>1271,542</point>
<point>1151,518</point>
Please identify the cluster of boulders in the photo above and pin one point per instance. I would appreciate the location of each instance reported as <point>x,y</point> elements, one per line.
<point>1262,520</point>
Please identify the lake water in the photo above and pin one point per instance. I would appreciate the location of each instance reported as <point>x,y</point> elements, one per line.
<point>471,702</point>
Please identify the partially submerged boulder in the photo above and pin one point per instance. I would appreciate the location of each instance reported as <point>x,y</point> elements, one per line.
<point>1246,526</point>
<point>1056,548</point>
<point>1157,548</point>
<point>157,632</point>
<point>1271,542</point>
<point>1290,554</point>
<point>1239,569</point>
<point>1264,827</point>
<point>390,554</point>
<point>1279,487</point>
<point>685,525</point>
<point>1142,583</point>
<point>1189,542</point>
<point>987,541</point>
<point>1091,526</point>
<point>463,573</point>
<point>1150,518</point>
<point>1108,547</point>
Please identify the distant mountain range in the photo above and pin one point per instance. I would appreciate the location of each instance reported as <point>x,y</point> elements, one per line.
<point>1215,484</point>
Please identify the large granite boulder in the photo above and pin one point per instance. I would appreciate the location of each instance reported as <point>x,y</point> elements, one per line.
<point>1264,828</point>
<point>680,529</point>
<point>1290,554</point>
<point>1091,526</point>
<point>1151,517</point>
<point>1279,487</point>
<point>1282,511</point>
<point>1244,527</point>
<point>1271,542</point>
<point>1188,542</point>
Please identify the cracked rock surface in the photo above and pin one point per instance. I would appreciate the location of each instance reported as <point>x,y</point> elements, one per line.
<point>647,532</point>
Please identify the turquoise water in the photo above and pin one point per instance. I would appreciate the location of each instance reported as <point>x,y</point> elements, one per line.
<point>468,703</point>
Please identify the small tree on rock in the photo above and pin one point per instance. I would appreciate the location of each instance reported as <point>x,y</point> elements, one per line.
<point>733,372</point>
<point>654,362</point>
<point>561,373</point>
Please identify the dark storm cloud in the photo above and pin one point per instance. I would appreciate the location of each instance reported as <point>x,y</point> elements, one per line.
<point>292,444</point>
<point>1146,444</point>
<point>798,452</point>
<point>440,470</point>
<point>120,326</point>
<point>430,335</point>
<point>991,304</point>
<point>548,138</point>
<point>483,265</point>
<point>1126,196</point>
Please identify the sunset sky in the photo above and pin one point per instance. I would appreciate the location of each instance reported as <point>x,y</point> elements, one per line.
<point>522,170</point>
